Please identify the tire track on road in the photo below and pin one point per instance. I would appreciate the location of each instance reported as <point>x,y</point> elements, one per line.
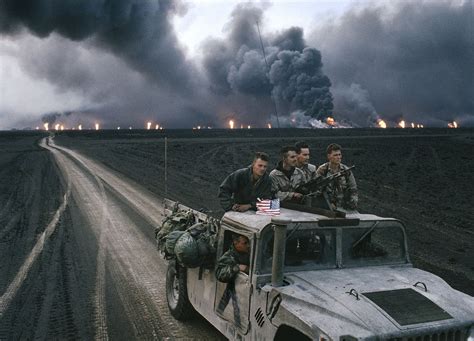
<point>137,270</point>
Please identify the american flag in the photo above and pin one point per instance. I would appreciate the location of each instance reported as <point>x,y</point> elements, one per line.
<point>268,207</point>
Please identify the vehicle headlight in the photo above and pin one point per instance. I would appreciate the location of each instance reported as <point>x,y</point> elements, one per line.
<point>470,335</point>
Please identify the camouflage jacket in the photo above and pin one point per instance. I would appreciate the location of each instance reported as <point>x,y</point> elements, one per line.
<point>228,265</point>
<point>238,188</point>
<point>309,171</point>
<point>342,192</point>
<point>282,186</point>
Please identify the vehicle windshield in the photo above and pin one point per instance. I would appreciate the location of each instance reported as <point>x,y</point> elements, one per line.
<point>379,243</point>
<point>307,247</point>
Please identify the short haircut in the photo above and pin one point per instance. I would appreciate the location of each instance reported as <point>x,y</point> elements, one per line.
<point>333,147</point>
<point>300,145</point>
<point>236,237</point>
<point>262,156</point>
<point>284,151</point>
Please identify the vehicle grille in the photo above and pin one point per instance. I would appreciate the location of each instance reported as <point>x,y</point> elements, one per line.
<point>449,335</point>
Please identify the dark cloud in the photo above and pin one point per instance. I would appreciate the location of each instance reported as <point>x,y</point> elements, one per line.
<point>138,31</point>
<point>412,60</point>
<point>236,65</point>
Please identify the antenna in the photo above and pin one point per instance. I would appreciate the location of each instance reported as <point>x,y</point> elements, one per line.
<point>268,76</point>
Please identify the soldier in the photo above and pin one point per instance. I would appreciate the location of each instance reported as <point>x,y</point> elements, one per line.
<point>286,177</point>
<point>302,161</point>
<point>342,192</point>
<point>236,259</point>
<point>240,190</point>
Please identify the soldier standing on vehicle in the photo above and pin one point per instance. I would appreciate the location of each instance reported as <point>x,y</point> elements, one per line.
<point>240,190</point>
<point>236,259</point>
<point>341,192</point>
<point>302,161</point>
<point>286,176</point>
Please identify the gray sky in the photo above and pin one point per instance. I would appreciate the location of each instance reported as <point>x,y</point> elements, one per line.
<point>165,76</point>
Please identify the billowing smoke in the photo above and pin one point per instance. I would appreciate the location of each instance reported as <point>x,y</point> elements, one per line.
<point>410,59</point>
<point>139,32</point>
<point>236,65</point>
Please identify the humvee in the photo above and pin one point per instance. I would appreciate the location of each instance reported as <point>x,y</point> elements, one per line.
<point>316,278</point>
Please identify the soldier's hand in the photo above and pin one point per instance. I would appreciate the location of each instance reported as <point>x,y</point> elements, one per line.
<point>297,196</point>
<point>242,208</point>
<point>244,268</point>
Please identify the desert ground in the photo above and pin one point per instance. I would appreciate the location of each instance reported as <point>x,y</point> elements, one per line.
<point>77,214</point>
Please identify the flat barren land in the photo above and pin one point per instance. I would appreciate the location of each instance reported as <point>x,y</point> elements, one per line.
<point>77,213</point>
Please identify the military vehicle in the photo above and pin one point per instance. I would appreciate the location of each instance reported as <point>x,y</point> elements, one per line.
<point>317,278</point>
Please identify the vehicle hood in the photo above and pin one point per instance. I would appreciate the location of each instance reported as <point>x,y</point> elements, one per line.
<point>322,301</point>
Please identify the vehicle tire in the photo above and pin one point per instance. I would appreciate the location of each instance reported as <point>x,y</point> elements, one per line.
<point>177,293</point>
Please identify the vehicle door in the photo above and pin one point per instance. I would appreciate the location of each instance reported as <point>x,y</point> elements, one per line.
<point>232,301</point>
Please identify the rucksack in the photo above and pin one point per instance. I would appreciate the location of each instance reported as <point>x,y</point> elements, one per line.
<point>197,246</point>
<point>177,221</point>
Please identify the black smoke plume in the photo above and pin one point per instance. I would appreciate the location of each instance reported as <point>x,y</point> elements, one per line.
<point>236,65</point>
<point>411,59</point>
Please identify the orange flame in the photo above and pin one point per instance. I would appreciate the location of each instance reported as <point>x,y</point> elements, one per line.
<point>269,126</point>
<point>330,121</point>
<point>231,124</point>
<point>381,123</point>
<point>46,126</point>
<point>401,124</point>
<point>148,125</point>
<point>97,126</point>
<point>452,124</point>
<point>79,127</point>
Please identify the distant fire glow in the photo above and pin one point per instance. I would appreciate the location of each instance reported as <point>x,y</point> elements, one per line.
<point>56,126</point>
<point>79,127</point>
<point>330,121</point>
<point>401,124</point>
<point>231,124</point>
<point>413,125</point>
<point>157,127</point>
<point>248,127</point>
<point>269,126</point>
<point>62,127</point>
<point>97,126</point>
<point>46,126</point>
<point>381,124</point>
<point>452,124</point>
<point>148,125</point>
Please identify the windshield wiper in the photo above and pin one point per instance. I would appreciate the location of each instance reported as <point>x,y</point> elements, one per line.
<point>369,231</point>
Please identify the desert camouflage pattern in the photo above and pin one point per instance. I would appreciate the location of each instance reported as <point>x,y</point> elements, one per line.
<point>228,265</point>
<point>282,187</point>
<point>309,172</point>
<point>342,192</point>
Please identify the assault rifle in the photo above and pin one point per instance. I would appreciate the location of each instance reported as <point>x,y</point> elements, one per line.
<point>320,183</point>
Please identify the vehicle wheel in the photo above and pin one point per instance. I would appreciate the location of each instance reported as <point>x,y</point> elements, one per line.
<point>177,293</point>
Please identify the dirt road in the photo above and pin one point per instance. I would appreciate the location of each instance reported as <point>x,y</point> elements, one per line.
<point>92,271</point>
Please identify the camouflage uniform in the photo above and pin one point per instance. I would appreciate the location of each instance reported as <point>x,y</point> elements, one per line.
<point>282,185</point>
<point>228,265</point>
<point>309,171</point>
<point>342,192</point>
<point>239,188</point>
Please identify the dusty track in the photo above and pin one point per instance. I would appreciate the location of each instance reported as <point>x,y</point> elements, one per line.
<point>93,271</point>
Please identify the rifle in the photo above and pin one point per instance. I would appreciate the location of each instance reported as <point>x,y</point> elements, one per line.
<point>321,182</point>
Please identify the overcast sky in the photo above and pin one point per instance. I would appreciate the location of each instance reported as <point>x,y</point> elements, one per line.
<point>199,63</point>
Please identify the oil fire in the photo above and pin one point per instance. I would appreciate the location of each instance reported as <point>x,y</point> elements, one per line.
<point>269,126</point>
<point>452,124</point>
<point>231,124</point>
<point>330,121</point>
<point>148,125</point>
<point>46,126</point>
<point>79,127</point>
<point>97,126</point>
<point>401,124</point>
<point>381,123</point>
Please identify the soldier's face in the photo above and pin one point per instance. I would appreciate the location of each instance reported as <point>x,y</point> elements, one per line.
<point>335,157</point>
<point>242,245</point>
<point>291,158</point>
<point>303,156</point>
<point>259,167</point>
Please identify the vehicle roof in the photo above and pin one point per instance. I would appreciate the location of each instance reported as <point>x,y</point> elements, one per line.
<point>253,221</point>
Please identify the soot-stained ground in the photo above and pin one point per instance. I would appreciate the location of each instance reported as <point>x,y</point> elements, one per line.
<point>423,177</point>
